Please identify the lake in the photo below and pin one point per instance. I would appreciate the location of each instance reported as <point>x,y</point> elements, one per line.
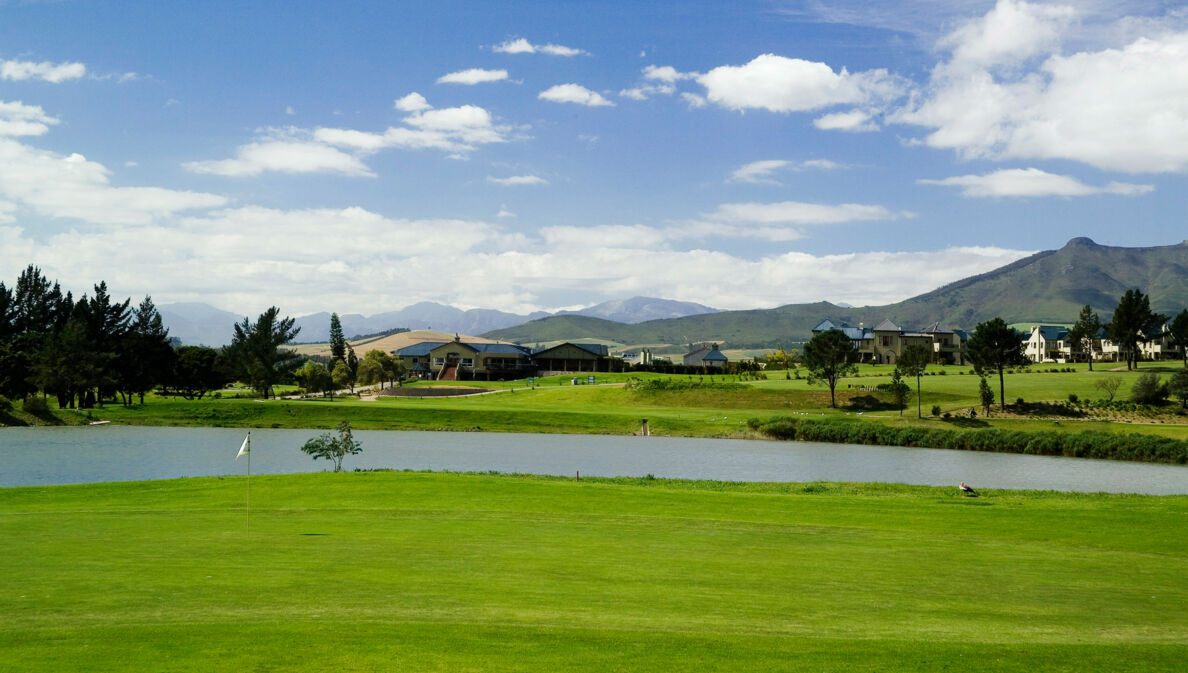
<point>33,456</point>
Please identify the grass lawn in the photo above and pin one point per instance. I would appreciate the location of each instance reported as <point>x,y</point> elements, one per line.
<point>448,572</point>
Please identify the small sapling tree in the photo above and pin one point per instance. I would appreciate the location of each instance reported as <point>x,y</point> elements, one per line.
<point>1109,386</point>
<point>986,395</point>
<point>914,360</point>
<point>334,448</point>
<point>899,390</point>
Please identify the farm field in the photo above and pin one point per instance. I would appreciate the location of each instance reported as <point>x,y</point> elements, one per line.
<point>431,571</point>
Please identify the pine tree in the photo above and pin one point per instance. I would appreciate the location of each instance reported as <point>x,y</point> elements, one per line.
<point>337,340</point>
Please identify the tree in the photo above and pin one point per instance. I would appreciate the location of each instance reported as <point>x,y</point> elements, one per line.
<point>352,363</point>
<point>1132,321</point>
<point>986,395</point>
<point>913,361</point>
<point>145,357</point>
<point>829,356</point>
<point>994,346</point>
<point>1148,390</point>
<point>899,390</point>
<point>1178,387</point>
<point>198,370</point>
<point>1109,386</point>
<point>337,340</point>
<point>1084,332</point>
<point>314,377</point>
<point>371,370</point>
<point>68,365</point>
<point>334,448</point>
<point>1179,334</point>
<point>782,359</point>
<point>341,377</point>
<point>256,350</point>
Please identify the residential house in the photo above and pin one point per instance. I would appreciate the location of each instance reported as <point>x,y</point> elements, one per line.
<point>705,355</point>
<point>885,342</point>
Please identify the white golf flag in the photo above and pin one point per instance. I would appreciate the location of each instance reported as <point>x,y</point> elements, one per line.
<point>246,447</point>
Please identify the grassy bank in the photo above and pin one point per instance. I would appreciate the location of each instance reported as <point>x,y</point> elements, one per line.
<point>422,571</point>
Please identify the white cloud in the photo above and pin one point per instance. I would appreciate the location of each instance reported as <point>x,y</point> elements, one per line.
<point>781,84</point>
<point>1123,109</point>
<point>693,99</point>
<point>504,213</point>
<point>18,119</point>
<point>854,121</point>
<point>518,180</point>
<point>472,76</point>
<point>413,102</point>
<point>1032,182</point>
<point>289,110</point>
<point>574,93</point>
<point>666,73</point>
<point>761,171</point>
<point>54,185</point>
<point>18,71</point>
<point>798,212</point>
<point>604,236</point>
<point>523,46</point>
<point>643,92</point>
<point>283,156</point>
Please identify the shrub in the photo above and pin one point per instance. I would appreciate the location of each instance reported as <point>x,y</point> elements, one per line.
<point>936,410</point>
<point>5,405</point>
<point>1019,401</point>
<point>35,405</point>
<point>1148,390</point>
<point>1072,398</point>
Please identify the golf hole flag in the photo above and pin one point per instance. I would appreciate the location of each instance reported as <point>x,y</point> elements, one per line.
<point>246,447</point>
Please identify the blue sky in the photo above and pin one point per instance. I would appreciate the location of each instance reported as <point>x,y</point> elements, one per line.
<point>360,157</point>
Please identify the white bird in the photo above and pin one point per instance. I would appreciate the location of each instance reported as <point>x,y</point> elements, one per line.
<point>967,489</point>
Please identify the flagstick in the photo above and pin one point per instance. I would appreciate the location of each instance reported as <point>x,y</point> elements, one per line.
<point>247,526</point>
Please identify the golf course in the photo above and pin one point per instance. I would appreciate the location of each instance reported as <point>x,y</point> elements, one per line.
<point>417,571</point>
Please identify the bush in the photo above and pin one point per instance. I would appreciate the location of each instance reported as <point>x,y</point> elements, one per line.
<point>1072,398</point>
<point>1148,390</point>
<point>35,405</point>
<point>1019,401</point>
<point>936,410</point>
<point>5,405</point>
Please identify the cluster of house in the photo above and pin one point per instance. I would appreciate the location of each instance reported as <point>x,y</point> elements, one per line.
<point>463,359</point>
<point>1050,343</point>
<point>884,343</point>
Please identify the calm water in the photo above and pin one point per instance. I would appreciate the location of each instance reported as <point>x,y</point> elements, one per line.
<point>31,456</point>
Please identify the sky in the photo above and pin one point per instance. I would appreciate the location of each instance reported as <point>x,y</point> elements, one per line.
<point>360,157</point>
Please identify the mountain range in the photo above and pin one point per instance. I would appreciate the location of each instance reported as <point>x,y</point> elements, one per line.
<point>1047,287</point>
<point>197,323</point>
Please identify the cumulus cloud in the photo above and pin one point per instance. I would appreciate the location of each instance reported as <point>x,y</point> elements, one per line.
<point>518,180</point>
<point>523,46</point>
<point>358,261</point>
<point>666,73</point>
<point>645,92</point>
<point>854,121</point>
<point>18,119</point>
<point>798,212</point>
<point>283,156</point>
<point>456,130</point>
<point>71,186</point>
<point>472,76</point>
<point>413,102</point>
<point>574,93</point>
<point>761,171</point>
<point>781,84</point>
<point>1026,182</point>
<point>693,99</point>
<point>17,71</point>
<point>1122,108</point>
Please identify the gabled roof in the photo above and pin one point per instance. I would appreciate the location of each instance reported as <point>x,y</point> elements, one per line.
<point>887,326</point>
<point>599,350</point>
<point>715,354</point>
<point>510,349</point>
<point>1053,332</point>
<point>857,333</point>
<point>419,349</point>
<point>826,325</point>
<point>935,328</point>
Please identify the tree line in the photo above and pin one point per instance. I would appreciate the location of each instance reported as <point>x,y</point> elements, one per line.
<point>97,349</point>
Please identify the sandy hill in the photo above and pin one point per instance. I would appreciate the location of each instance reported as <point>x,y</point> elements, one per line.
<point>392,342</point>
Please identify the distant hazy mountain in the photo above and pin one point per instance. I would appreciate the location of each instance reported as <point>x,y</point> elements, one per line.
<point>642,309</point>
<point>1046,287</point>
<point>425,315</point>
<point>199,324</point>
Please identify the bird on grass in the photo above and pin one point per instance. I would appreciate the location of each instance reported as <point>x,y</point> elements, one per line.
<point>967,489</point>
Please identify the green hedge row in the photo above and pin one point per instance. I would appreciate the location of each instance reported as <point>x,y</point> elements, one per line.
<point>1088,444</point>
<point>658,385</point>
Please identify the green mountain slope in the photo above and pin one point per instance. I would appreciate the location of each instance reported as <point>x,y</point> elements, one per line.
<point>1046,287</point>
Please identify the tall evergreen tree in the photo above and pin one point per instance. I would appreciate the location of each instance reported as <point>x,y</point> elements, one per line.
<point>1132,322</point>
<point>337,340</point>
<point>145,356</point>
<point>1084,332</point>
<point>994,346</point>
<point>257,351</point>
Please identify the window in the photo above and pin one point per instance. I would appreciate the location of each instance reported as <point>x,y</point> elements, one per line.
<point>886,340</point>
<point>467,362</point>
<point>439,361</point>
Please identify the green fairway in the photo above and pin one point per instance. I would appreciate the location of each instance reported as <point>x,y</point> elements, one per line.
<point>446,572</point>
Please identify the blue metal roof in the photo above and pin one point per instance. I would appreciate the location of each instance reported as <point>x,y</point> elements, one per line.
<point>419,349</point>
<point>1053,332</point>
<point>714,354</point>
<point>600,350</point>
<point>510,349</point>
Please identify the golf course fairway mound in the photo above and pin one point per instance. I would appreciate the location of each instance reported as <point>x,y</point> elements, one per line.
<point>415,571</point>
